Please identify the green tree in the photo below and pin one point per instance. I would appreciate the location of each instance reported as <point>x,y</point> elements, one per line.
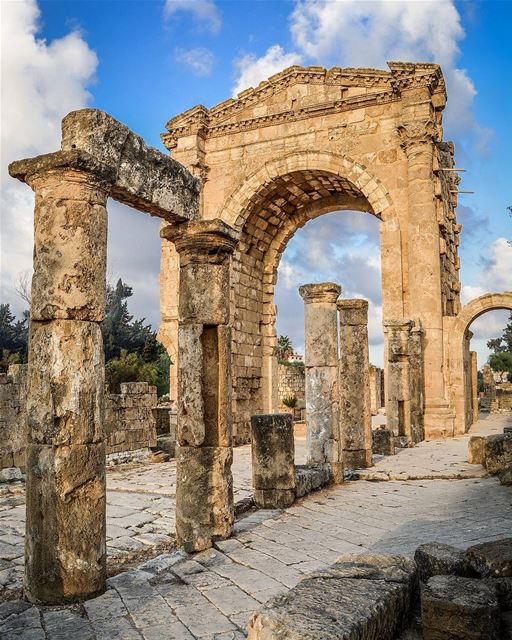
<point>501,359</point>
<point>13,337</point>
<point>284,348</point>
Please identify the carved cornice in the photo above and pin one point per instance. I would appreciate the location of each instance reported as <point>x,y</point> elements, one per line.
<point>219,120</point>
<point>321,292</point>
<point>202,240</point>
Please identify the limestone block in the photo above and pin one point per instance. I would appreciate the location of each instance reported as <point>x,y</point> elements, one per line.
<point>383,442</point>
<point>65,554</point>
<point>360,596</point>
<point>498,452</point>
<point>65,383</point>
<point>273,455</point>
<point>70,247</point>
<point>505,476</point>
<point>145,178</point>
<point>311,477</point>
<point>438,559</point>
<point>321,413</point>
<point>476,450</point>
<point>202,287</point>
<point>492,559</point>
<point>204,496</point>
<point>453,608</point>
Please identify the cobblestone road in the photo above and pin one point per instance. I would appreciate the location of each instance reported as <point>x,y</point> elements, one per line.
<point>211,595</point>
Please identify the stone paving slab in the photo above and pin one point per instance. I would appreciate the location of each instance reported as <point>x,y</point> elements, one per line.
<point>212,595</point>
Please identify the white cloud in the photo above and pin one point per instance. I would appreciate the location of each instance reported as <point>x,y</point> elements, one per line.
<point>205,12</point>
<point>252,70</point>
<point>200,60</point>
<point>41,82</point>
<point>496,274</point>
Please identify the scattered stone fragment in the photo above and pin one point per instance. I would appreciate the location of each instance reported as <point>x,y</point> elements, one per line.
<point>438,559</point>
<point>498,452</point>
<point>492,559</point>
<point>383,442</point>
<point>476,450</point>
<point>505,476</point>
<point>455,608</point>
<point>360,596</point>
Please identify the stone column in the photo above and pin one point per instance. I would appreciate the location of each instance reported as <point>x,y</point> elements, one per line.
<point>204,491</point>
<point>273,460</point>
<point>398,401</point>
<point>418,134</point>
<point>321,357</point>
<point>354,385</point>
<point>417,382</point>
<point>65,556</point>
<point>474,385</point>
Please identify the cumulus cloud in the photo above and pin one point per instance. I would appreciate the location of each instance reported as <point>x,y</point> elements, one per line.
<point>251,70</point>
<point>200,60</point>
<point>495,274</point>
<point>205,12</point>
<point>41,82</point>
<point>341,247</point>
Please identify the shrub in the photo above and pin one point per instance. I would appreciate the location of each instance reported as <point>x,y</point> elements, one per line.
<point>290,401</point>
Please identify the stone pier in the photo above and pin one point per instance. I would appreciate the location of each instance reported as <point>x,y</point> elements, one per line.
<point>354,386</point>
<point>204,491</point>
<point>405,387</point>
<point>273,460</point>
<point>474,385</point>
<point>321,356</point>
<point>65,555</point>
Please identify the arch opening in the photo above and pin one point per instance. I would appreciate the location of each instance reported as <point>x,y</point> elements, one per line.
<point>275,211</point>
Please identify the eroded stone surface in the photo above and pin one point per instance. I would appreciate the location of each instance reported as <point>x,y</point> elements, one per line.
<point>476,450</point>
<point>492,559</point>
<point>437,559</point>
<point>365,596</point>
<point>453,608</point>
<point>498,452</point>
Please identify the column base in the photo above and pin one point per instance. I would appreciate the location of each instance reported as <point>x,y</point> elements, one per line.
<point>274,498</point>
<point>357,458</point>
<point>439,421</point>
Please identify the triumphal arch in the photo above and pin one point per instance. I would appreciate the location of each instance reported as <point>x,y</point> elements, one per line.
<point>243,177</point>
<point>306,142</point>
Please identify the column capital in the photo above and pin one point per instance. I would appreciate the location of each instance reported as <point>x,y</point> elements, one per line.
<point>74,160</point>
<point>417,133</point>
<point>321,292</point>
<point>206,240</point>
<point>353,311</point>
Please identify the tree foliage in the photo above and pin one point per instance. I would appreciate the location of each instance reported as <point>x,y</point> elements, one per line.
<point>13,338</point>
<point>284,348</point>
<point>501,359</point>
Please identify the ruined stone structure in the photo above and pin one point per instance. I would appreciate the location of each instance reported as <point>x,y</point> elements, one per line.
<point>324,443</point>
<point>13,416</point>
<point>355,421</point>
<point>291,382</point>
<point>129,423</point>
<point>253,170</point>
<point>306,142</point>
<point>376,389</point>
<point>405,385</point>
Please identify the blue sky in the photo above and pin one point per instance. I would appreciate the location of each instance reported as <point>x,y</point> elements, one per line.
<point>145,61</point>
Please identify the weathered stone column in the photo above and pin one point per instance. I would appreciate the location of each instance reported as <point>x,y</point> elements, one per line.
<point>321,357</point>
<point>354,385</point>
<point>65,556</point>
<point>474,385</point>
<point>398,401</point>
<point>418,134</point>
<point>273,460</point>
<point>204,491</point>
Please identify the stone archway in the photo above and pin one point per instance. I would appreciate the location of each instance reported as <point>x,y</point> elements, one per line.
<point>456,331</point>
<point>308,141</point>
<point>267,209</point>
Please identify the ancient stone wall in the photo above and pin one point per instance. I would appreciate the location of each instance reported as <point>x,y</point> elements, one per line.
<point>129,420</point>
<point>503,400</point>
<point>13,416</point>
<point>291,381</point>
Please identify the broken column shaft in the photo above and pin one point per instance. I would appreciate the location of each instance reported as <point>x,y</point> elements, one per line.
<point>65,555</point>
<point>354,384</point>
<point>321,357</point>
<point>204,493</point>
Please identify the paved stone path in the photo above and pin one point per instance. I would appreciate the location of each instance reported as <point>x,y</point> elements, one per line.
<point>211,595</point>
